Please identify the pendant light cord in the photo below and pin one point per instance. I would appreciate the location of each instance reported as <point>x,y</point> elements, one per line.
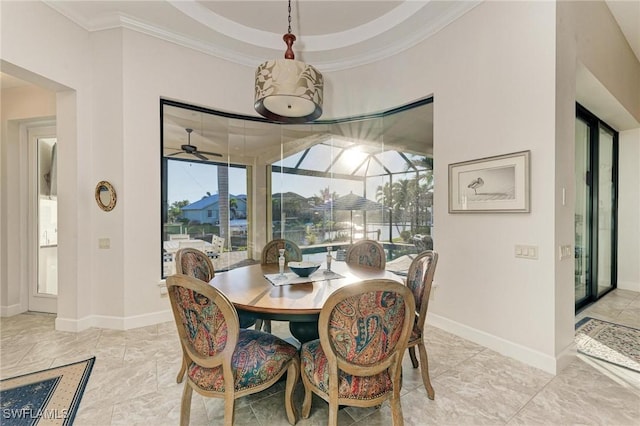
<point>289,38</point>
<point>289,32</point>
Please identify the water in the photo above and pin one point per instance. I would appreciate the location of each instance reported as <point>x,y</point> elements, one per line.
<point>372,232</point>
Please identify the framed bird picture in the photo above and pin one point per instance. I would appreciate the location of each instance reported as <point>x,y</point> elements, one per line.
<point>492,184</point>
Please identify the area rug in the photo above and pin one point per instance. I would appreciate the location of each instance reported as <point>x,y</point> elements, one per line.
<point>609,342</point>
<point>47,397</point>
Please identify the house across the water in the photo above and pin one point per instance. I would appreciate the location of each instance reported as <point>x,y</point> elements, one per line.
<point>207,209</point>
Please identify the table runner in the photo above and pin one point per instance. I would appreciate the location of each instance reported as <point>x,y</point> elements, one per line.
<point>291,278</point>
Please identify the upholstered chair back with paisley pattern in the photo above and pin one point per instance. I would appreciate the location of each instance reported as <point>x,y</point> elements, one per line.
<point>224,361</point>
<point>270,254</point>
<point>207,322</point>
<point>419,281</point>
<point>364,329</point>
<point>366,253</point>
<point>270,251</point>
<point>195,263</point>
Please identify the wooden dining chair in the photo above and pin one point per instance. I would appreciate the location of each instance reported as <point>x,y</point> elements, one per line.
<point>223,360</point>
<point>195,263</point>
<point>364,329</point>
<point>419,281</point>
<point>270,254</point>
<point>366,253</point>
<point>292,252</point>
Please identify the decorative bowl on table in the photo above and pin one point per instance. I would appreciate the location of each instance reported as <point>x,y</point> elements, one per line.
<point>304,269</point>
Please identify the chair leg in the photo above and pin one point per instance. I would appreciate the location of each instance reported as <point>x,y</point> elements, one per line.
<point>333,413</point>
<point>267,326</point>
<point>424,370</point>
<point>258,325</point>
<point>306,403</point>
<point>185,409</point>
<point>229,408</point>
<point>293,372</point>
<point>183,369</point>
<point>412,355</point>
<point>396,411</point>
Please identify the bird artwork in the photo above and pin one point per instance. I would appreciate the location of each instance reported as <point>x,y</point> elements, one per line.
<point>475,184</point>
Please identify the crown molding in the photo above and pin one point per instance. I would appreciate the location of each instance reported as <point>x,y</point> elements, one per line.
<point>325,50</point>
<point>313,43</point>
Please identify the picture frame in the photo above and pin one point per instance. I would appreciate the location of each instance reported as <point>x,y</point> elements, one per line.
<point>498,184</point>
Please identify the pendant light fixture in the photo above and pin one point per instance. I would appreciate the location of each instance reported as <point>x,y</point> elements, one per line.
<point>287,90</point>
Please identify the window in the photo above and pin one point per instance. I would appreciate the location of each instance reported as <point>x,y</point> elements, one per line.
<point>318,184</point>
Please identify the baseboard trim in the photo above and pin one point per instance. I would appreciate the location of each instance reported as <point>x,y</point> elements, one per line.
<point>566,357</point>
<point>11,310</point>
<point>513,350</point>
<point>111,322</point>
<point>629,285</point>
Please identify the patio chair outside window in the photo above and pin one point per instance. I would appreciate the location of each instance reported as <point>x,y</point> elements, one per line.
<point>195,244</point>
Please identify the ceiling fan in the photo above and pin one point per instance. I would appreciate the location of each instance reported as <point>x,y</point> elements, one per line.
<point>193,150</point>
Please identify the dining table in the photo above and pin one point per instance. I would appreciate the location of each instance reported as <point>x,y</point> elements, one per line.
<point>258,289</point>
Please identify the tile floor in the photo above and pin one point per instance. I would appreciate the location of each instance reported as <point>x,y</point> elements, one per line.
<point>133,381</point>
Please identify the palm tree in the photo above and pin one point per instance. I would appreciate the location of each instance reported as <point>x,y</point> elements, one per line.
<point>402,197</point>
<point>383,194</point>
<point>424,193</point>
<point>426,162</point>
<point>397,197</point>
<point>325,196</point>
<point>175,211</point>
<point>223,201</point>
<point>233,207</point>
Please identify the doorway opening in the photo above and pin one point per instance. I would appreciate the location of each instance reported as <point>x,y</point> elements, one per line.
<point>43,282</point>
<point>596,203</point>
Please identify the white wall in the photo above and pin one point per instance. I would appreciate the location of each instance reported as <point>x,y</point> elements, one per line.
<point>629,211</point>
<point>607,83</point>
<point>494,80</point>
<point>61,64</point>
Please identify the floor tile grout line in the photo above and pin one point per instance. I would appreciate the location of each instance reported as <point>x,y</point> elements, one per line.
<point>531,399</point>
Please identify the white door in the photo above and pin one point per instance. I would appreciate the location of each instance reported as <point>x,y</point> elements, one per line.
<point>43,220</point>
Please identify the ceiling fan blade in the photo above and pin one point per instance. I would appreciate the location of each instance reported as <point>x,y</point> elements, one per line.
<point>200,156</point>
<point>175,153</point>
<point>215,154</point>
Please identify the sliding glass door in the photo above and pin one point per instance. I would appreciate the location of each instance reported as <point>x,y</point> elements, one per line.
<point>596,157</point>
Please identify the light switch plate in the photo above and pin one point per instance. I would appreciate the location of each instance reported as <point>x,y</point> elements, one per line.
<point>104,243</point>
<point>526,252</point>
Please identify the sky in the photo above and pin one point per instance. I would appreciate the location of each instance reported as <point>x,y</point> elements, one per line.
<point>191,181</point>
